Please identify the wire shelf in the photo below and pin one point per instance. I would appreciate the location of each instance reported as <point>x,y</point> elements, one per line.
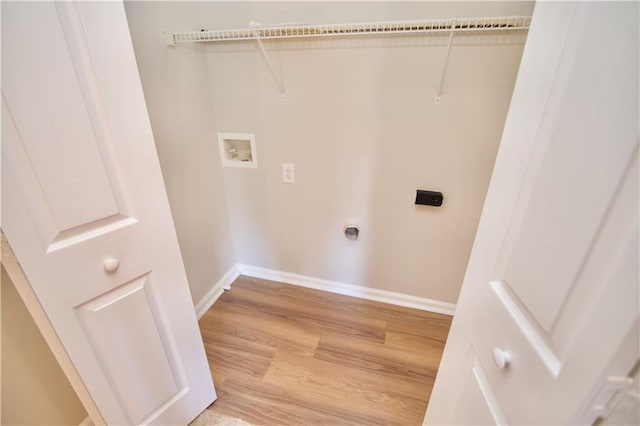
<point>501,23</point>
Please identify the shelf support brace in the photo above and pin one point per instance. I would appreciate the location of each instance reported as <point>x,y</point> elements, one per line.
<point>446,62</point>
<point>169,41</point>
<point>265,56</point>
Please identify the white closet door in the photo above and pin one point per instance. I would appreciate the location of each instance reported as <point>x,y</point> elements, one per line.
<point>85,210</point>
<point>551,291</point>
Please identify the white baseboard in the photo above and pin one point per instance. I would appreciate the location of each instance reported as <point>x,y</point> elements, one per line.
<point>212,295</point>
<point>347,289</point>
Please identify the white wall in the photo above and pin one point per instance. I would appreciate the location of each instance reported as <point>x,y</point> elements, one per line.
<point>176,88</point>
<point>360,124</point>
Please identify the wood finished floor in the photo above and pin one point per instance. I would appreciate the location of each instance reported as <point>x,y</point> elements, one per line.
<point>286,355</point>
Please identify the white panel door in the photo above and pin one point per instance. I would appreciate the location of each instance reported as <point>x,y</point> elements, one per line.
<point>551,291</point>
<point>85,210</point>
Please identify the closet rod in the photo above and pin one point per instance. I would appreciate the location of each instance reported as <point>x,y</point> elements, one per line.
<point>480,24</point>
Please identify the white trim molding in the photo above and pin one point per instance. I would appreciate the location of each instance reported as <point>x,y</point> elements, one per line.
<point>25,290</point>
<point>87,422</point>
<point>384,296</point>
<point>216,291</point>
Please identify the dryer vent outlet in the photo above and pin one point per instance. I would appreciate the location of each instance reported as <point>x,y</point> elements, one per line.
<point>351,232</point>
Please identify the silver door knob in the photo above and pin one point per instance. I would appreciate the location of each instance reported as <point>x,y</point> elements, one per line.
<point>111,264</point>
<point>501,357</point>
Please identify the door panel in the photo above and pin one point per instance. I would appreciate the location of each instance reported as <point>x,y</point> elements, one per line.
<point>609,252</point>
<point>82,185</point>
<point>141,383</point>
<point>553,276</point>
<point>560,210</point>
<point>70,171</point>
<point>474,389</point>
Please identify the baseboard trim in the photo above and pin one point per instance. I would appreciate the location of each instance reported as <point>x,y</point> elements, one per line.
<point>385,296</point>
<point>212,295</point>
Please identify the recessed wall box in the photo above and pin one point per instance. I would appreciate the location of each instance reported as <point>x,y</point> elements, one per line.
<point>238,150</point>
<point>429,198</point>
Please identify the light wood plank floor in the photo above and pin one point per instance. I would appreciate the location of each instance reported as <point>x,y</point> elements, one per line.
<point>282,354</point>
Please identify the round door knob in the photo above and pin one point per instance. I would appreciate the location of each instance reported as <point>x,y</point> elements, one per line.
<point>111,264</point>
<point>501,357</point>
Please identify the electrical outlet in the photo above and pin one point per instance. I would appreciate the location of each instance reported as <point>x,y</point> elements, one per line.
<point>288,173</point>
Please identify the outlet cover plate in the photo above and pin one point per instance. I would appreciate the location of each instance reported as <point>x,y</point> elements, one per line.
<point>288,173</point>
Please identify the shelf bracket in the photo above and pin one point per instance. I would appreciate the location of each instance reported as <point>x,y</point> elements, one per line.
<point>446,62</point>
<point>254,25</point>
<point>169,40</point>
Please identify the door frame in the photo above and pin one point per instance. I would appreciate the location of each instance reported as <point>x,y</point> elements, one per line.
<point>22,285</point>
